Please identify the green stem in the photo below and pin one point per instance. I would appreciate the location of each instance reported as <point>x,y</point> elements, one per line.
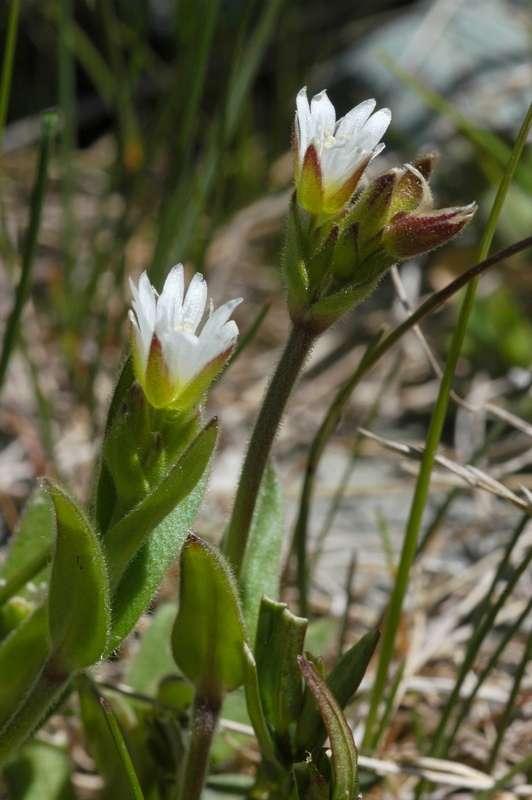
<point>297,349</point>
<point>433,438</point>
<point>30,714</point>
<point>7,66</point>
<point>205,716</point>
<point>49,123</point>
<point>521,766</point>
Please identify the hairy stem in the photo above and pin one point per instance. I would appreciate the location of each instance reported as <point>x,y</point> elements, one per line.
<point>31,713</point>
<point>206,711</point>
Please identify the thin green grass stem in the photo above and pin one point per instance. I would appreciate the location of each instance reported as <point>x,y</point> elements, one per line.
<point>521,766</point>
<point>123,752</point>
<point>201,47</point>
<point>507,713</point>
<point>49,125</point>
<point>440,742</point>
<point>492,661</point>
<point>443,508</point>
<point>389,703</point>
<point>7,67</point>
<point>408,554</point>
<point>66,83</point>
<point>344,624</point>
<point>297,349</point>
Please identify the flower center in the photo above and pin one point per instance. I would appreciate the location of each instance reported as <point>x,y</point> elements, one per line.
<point>187,326</point>
<point>329,139</point>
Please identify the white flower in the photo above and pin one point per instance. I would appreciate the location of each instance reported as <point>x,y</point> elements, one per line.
<point>331,155</point>
<point>175,357</point>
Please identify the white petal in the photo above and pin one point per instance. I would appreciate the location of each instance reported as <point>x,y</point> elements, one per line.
<point>181,352</point>
<point>323,114</point>
<point>304,124</point>
<point>171,299</point>
<point>219,318</point>
<point>355,119</point>
<point>374,129</point>
<point>195,300</point>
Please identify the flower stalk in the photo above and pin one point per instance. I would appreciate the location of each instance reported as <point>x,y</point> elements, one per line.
<point>205,715</point>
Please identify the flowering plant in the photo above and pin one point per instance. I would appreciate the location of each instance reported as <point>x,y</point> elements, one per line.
<point>107,562</point>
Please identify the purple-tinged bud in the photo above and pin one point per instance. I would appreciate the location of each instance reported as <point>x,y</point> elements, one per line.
<point>410,235</point>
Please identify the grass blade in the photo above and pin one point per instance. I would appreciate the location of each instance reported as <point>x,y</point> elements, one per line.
<point>49,125</point>
<point>123,752</point>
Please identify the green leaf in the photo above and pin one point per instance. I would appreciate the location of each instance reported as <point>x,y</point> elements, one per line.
<point>145,572</point>
<point>41,772</point>
<point>280,638</point>
<point>125,539</point>
<point>343,680</point>
<point>78,598</point>
<point>22,657</point>
<point>34,534</point>
<point>153,660</point>
<point>105,496</point>
<point>31,548</point>
<point>208,636</point>
<point>261,566</point>
<point>254,706</point>
<point>344,752</point>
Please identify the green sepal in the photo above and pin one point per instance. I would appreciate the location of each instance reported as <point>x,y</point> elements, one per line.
<point>208,635</point>
<point>144,573</point>
<point>293,260</point>
<point>125,539</point>
<point>319,264</point>
<point>344,752</point>
<point>343,681</point>
<point>22,657</point>
<point>372,207</point>
<point>78,605</point>
<point>261,566</point>
<point>280,638</point>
